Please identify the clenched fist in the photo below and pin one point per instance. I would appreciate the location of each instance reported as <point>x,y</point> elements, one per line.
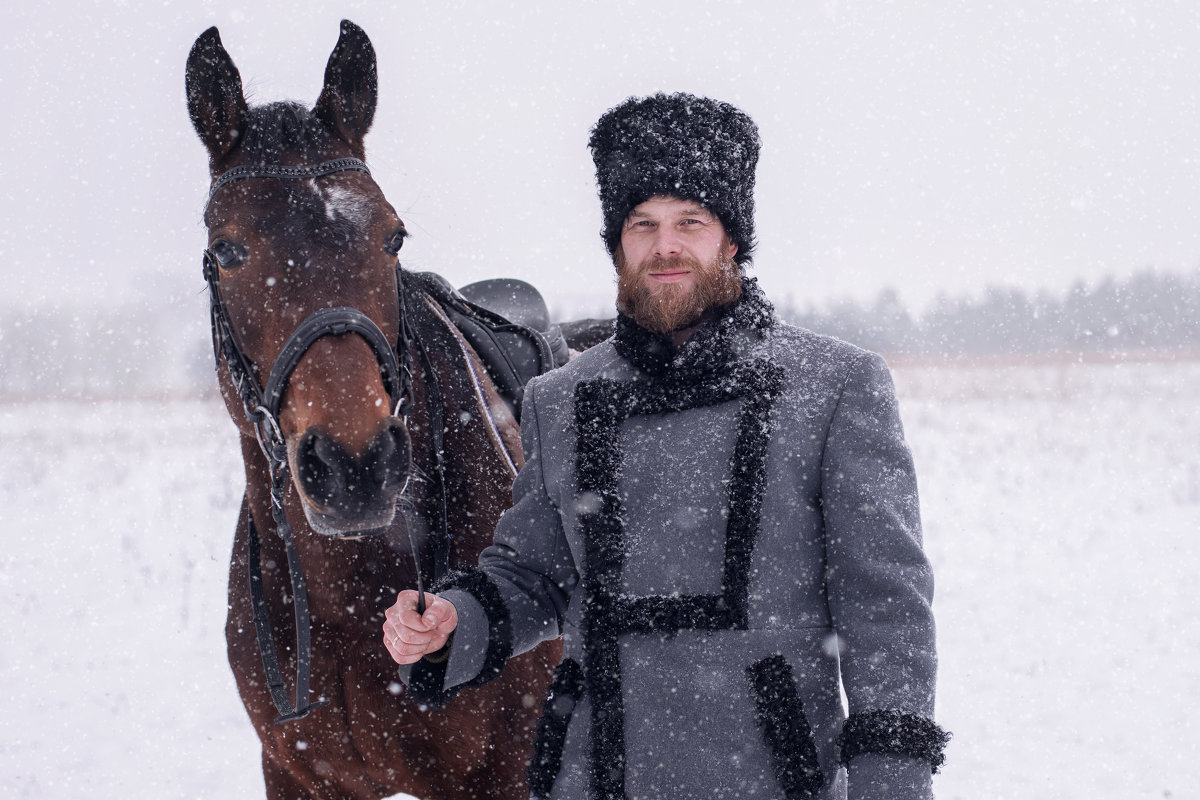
<point>408,635</point>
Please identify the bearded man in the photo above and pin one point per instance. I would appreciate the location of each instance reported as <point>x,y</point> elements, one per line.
<point>717,513</point>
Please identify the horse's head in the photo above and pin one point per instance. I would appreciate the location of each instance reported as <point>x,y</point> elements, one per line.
<point>296,227</point>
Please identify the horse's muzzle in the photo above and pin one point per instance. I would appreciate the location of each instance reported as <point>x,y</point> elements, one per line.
<point>345,495</point>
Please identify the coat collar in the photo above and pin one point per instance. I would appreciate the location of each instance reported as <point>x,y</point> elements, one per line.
<point>717,343</point>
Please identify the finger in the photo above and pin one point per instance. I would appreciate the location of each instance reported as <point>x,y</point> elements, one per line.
<point>403,652</point>
<point>418,650</point>
<point>406,603</point>
<point>405,610</point>
<point>441,616</point>
<point>399,631</point>
<point>409,629</point>
<point>409,618</point>
<point>402,656</point>
<point>393,630</point>
<point>419,638</point>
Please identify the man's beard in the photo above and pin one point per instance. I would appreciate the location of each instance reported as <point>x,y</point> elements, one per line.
<point>668,307</point>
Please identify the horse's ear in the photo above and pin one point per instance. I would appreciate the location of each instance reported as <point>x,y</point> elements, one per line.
<point>347,103</point>
<point>214,95</point>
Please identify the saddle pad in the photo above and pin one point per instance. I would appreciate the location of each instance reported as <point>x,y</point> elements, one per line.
<point>512,350</point>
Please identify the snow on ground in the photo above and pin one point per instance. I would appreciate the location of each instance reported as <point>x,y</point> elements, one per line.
<point>1062,507</point>
<point>1061,503</point>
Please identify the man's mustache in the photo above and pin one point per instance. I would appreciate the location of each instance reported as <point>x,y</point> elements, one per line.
<point>667,264</point>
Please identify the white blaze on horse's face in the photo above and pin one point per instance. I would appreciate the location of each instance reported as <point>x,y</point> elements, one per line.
<point>342,202</point>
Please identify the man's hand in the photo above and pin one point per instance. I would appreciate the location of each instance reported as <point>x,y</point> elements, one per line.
<point>408,635</point>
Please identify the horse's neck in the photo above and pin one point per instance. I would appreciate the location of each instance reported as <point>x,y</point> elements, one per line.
<point>481,446</point>
<point>480,441</point>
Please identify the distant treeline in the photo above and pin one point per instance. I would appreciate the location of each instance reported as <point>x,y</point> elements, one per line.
<point>127,352</point>
<point>114,351</point>
<point>1151,310</point>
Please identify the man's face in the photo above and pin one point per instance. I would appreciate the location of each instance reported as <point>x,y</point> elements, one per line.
<point>675,262</point>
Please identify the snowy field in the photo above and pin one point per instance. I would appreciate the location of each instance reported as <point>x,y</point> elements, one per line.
<point>1062,513</point>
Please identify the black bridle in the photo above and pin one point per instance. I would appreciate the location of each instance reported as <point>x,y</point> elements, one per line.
<point>262,407</point>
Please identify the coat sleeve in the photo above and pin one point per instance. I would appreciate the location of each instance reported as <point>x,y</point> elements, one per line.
<point>880,589</point>
<point>519,593</point>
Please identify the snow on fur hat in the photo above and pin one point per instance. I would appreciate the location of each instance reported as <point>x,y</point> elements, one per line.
<point>677,144</point>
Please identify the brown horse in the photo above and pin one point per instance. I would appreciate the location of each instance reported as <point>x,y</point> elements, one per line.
<point>369,431</point>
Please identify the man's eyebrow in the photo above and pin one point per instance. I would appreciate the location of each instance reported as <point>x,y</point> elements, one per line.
<point>691,211</point>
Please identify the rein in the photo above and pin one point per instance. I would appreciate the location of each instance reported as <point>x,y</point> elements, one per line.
<point>262,408</point>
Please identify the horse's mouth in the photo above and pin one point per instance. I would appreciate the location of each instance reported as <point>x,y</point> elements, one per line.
<point>349,525</point>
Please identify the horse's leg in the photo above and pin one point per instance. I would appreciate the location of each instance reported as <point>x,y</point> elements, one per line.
<point>281,783</point>
<point>511,714</point>
<point>496,781</point>
<point>285,784</point>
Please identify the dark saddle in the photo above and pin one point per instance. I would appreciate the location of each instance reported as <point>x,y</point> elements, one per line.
<point>506,322</point>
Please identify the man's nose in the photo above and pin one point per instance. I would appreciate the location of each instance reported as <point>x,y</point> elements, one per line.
<point>667,242</point>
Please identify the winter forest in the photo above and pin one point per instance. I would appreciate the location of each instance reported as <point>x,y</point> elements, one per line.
<point>1149,315</point>
<point>1001,201</point>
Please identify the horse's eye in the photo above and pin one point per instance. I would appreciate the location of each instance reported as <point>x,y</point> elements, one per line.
<point>396,241</point>
<point>228,254</point>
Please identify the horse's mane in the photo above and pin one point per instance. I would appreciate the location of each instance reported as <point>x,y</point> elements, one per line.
<point>285,126</point>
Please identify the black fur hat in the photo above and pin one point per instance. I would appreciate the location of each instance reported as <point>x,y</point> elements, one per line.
<point>677,144</point>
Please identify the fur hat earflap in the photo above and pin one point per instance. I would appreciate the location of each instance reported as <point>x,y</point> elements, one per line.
<point>678,144</point>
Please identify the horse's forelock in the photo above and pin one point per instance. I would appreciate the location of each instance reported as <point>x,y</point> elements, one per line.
<point>283,127</point>
<point>309,212</point>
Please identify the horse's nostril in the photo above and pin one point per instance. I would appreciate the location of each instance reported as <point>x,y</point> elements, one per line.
<point>331,477</point>
<point>325,449</point>
<point>389,454</point>
<point>322,465</point>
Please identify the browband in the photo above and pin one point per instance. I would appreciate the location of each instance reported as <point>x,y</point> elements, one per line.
<point>282,171</point>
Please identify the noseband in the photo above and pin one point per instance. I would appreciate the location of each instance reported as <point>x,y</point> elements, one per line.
<point>262,407</point>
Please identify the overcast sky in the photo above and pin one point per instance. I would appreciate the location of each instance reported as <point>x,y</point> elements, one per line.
<point>929,146</point>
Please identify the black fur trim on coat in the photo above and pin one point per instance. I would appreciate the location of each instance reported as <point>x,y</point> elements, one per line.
<point>566,689</point>
<point>895,732</point>
<point>786,732</point>
<point>429,674</point>
<point>601,405</point>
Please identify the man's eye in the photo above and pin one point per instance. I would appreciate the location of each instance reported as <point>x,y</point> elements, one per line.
<point>228,254</point>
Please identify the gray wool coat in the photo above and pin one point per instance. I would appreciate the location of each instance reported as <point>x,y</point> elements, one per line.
<point>720,553</point>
